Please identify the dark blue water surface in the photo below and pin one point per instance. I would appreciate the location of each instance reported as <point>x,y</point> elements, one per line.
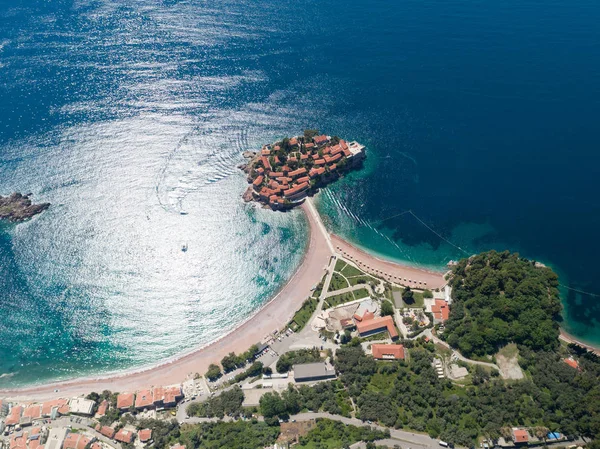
<point>481,117</point>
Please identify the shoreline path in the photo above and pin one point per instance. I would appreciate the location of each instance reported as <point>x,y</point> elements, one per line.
<point>275,314</point>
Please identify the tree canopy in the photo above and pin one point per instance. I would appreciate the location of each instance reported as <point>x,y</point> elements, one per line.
<point>499,298</point>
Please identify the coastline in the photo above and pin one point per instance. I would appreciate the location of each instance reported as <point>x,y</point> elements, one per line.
<point>274,314</point>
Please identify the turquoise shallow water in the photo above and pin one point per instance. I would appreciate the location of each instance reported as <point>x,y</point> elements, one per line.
<point>130,117</point>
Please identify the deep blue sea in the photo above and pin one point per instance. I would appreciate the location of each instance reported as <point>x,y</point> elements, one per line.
<point>130,116</point>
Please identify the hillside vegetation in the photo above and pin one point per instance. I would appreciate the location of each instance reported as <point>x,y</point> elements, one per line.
<point>499,298</point>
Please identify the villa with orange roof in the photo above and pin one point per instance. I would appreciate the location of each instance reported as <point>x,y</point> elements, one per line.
<point>377,325</point>
<point>124,436</point>
<point>125,401</point>
<point>144,399</point>
<point>387,352</point>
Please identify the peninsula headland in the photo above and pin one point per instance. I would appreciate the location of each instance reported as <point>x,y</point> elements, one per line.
<point>284,173</point>
<point>17,207</point>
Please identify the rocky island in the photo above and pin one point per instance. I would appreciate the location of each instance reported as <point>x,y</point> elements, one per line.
<point>284,173</point>
<point>17,207</point>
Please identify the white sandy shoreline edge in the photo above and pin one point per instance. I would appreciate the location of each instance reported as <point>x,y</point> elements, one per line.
<point>272,315</point>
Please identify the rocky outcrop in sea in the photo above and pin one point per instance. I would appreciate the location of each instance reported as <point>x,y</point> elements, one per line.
<point>17,207</point>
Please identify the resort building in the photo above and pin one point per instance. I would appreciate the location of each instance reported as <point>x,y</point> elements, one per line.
<point>311,372</point>
<point>53,409</point>
<point>571,362</point>
<point>387,352</point>
<point>377,325</point>
<point>143,399</point>
<point>440,310</point>
<point>14,416</point>
<point>81,406</point>
<point>125,401</point>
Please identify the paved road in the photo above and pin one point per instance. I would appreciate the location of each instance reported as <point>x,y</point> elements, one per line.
<point>429,334</point>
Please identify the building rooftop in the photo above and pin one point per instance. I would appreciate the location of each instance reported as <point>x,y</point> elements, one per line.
<point>312,370</point>
<point>374,324</point>
<point>388,352</point>
<point>144,399</point>
<point>145,435</point>
<point>520,435</point>
<point>81,406</point>
<point>125,400</point>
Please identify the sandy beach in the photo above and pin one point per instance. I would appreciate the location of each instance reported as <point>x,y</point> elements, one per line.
<point>400,274</point>
<point>275,314</point>
<point>272,316</point>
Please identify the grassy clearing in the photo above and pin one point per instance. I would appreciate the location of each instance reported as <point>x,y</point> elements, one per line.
<point>302,316</point>
<point>338,282</point>
<point>361,293</point>
<point>339,265</point>
<point>336,300</point>
<point>349,270</point>
<point>360,280</point>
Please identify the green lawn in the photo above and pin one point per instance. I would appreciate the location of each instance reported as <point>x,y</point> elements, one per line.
<point>339,265</point>
<point>303,315</point>
<point>361,293</point>
<point>349,270</point>
<point>337,282</point>
<point>336,300</point>
<point>356,280</point>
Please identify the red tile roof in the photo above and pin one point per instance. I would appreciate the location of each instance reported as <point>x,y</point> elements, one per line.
<point>76,441</point>
<point>309,145</point>
<point>62,404</point>
<point>125,436</point>
<point>320,139</point>
<point>320,162</point>
<point>440,310</point>
<point>387,351</point>
<point>258,181</point>
<point>374,324</point>
<point>33,411</point>
<point>14,416</point>
<point>145,435</point>
<point>366,316</point>
<point>144,399</point>
<point>275,174</point>
<point>125,400</point>
<point>304,157</point>
<point>293,141</point>
<point>296,189</point>
<point>102,408</point>
<point>571,362</point>
<point>303,179</point>
<point>298,172</point>
<point>265,152</point>
<point>520,435</point>
<point>107,431</point>
<point>172,394</point>
<point>343,144</point>
<point>265,162</point>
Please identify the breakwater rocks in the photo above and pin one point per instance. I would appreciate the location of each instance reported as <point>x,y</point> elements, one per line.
<point>17,207</point>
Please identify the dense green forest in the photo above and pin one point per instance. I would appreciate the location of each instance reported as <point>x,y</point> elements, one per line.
<point>554,396</point>
<point>499,298</point>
